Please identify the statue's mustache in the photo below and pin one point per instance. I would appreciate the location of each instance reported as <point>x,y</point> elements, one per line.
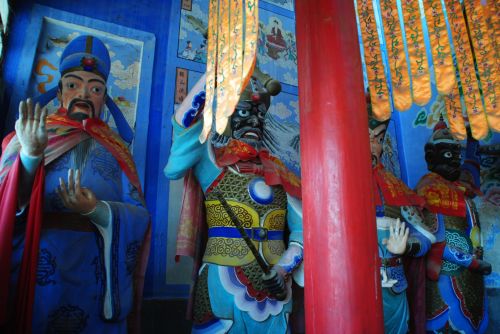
<point>76,101</point>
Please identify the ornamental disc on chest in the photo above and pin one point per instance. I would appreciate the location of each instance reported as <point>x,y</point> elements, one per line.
<point>261,210</point>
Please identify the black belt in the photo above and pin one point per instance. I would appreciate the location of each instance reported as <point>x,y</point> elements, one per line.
<point>67,221</point>
<point>392,262</point>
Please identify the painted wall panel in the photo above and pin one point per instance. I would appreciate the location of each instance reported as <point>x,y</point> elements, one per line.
<point>150,17</point>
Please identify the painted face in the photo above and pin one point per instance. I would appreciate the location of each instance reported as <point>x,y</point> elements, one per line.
<point>247,123</point>
<point>447,160</point>
<point>83,94</point>
<point>377,142</point>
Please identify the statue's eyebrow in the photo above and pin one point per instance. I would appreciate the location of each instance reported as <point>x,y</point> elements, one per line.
<point>73,76</point>
<point>380,132</point>
<point>81,79</point>
<point>98,80</point>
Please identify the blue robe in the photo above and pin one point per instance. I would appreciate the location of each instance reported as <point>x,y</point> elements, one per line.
<point>85,277</point>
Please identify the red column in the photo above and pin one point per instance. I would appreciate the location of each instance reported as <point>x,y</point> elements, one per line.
<point>342,278</point>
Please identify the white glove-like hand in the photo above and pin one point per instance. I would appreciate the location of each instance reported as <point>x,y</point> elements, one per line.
<point>30,128</point>
<point>398,237</point>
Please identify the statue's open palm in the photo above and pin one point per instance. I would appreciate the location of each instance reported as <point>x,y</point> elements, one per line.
<point>75,197</point>
<point>398,236</point>
<point>30,128</point>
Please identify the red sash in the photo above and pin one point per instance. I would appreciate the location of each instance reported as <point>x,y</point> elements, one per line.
<point>442,196</point>
<point>393,190</point>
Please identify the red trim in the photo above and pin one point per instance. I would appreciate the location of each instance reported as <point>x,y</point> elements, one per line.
<point>463,306</point>
<point>258,295</point>
<point>439,312</point>
<point>216,181</point>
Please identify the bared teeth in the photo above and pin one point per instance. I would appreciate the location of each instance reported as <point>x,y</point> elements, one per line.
<point>251,134</point>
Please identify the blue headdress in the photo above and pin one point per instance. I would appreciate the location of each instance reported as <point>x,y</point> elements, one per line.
<point>88,53</point>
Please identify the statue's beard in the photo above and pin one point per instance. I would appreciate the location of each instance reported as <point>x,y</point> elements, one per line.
<point>451,173</point>
<point>80,109</point>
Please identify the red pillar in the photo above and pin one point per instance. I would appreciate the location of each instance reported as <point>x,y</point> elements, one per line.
<point>342,278</point>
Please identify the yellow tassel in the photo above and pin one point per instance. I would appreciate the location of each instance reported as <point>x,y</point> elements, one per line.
<point>223,62</point>
<point>251,38</point>
<point>454,113</point>
<point>213,21</point>
<point>230,60</point>
<point>440,47</point>
<point>470,87</point>
<point>419,66</point>
<point>485,61</point>
<point>379,94</point>
<point>233,66</point>
<point>396,53</point>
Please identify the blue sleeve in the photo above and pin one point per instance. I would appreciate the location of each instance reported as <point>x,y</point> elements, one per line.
<point>129,225</point>
<point>294,219</point>
<point>456,256</point>
<point>422,239</point>
<point>186,150</point>
<point>419,232</point>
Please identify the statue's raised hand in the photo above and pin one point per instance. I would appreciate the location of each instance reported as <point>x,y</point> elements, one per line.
<point>30,128</point>
<point>398,237</point>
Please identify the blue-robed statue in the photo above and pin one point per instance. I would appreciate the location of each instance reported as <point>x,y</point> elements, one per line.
<point>73,223</point>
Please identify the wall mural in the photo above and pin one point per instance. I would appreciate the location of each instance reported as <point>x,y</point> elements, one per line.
<point>281,134</point>
<point>125,66</point>
<point>192,32</point>
<point>287,4</point>
<point>489,212</point>
<point>277,50</point>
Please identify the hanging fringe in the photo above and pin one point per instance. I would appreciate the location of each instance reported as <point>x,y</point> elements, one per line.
<point>475,37</point>
<point>213,21</point>
<point>465,63</point>
<point>379,94</point>
<point>223,64</point>
<point>401,93</point>
<point>440,47</point>
<point>417,53</point>
<point>231,58</point>
<point>454,112</point>
<point>485,61</point>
